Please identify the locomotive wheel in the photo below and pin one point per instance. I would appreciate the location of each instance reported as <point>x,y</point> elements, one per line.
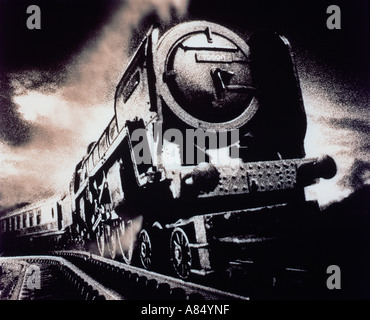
<point>126,241</point>
<point>180,253</point>
<point>145,247</point>
<point>100,239</point>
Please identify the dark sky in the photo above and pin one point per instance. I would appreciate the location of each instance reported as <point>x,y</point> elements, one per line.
<point>73,41</point>
<point>304,23</point>
<point>67,25</point>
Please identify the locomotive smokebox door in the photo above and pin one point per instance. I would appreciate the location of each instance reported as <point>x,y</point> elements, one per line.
<point>206,76</point>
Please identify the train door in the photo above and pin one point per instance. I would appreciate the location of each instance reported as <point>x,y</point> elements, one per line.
<point>59,216</point>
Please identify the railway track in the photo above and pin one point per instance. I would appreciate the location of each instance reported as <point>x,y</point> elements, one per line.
<point>134,283</point>
<point>49,278</point>
<point>75,275</point>
<point>80,275</point>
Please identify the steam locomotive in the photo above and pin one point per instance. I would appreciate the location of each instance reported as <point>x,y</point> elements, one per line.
<point>204,156</point>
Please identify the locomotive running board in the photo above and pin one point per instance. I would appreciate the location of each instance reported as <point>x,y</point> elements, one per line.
<point>245,240</point>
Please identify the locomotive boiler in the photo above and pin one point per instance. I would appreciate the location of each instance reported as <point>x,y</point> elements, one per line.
<point>204,151</point>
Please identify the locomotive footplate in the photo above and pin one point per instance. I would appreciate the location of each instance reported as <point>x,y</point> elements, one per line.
<point>256,234</point>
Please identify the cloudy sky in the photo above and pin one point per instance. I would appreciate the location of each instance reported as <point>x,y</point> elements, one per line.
<point>57,84</point>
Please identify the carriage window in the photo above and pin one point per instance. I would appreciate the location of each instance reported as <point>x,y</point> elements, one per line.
<point>95,155</point>
<point>103,144</point>
<point>112,131</point>
<point>31,219</point>
<point>86,169</point>
<point>38,217</point>
<point>91,165</point>
<point>24,217</point>
<point>83,172</point>
<point>52,213</point>
<point>19,222</point>
<point>131,86</point>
